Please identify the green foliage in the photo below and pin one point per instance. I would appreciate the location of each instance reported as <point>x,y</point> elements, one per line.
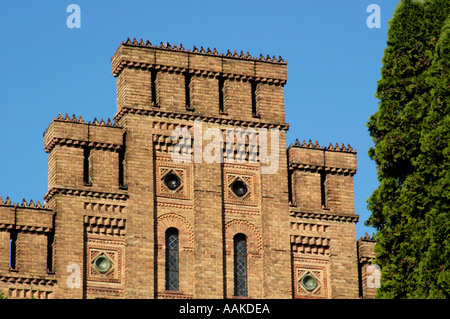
<point>411,133</point>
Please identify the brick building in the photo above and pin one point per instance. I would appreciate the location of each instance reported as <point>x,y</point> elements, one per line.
<point>243,217</point>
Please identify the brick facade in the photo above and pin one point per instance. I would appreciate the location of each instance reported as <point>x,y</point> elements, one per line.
<point>102,232</point>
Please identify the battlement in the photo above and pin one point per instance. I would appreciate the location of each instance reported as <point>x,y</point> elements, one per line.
<point>208,52</point>
<point>25,216</point>
<point>83,154</point>
<point>78,133</point>
<point>200,82</point>
<point>27,227</point>
<point>335,159</point>
<point>322,177</point>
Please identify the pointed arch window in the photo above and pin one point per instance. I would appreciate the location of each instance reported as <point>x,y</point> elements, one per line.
<point>172,259</point>
<point>240,265</point>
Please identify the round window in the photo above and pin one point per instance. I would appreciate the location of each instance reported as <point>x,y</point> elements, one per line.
<point>102,264</point>
<point>309,282</point>
<point>239,188</point>
<point>172,181</point>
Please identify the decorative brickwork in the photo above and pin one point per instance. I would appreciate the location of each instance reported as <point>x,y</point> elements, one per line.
<point>116,195</point>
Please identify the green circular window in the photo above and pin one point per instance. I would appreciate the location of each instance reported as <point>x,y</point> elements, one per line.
<point>102,264</point>
<point>309,282</point>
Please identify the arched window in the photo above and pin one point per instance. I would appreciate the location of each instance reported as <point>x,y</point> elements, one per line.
<point>172,262</point>
<point>240,265</point>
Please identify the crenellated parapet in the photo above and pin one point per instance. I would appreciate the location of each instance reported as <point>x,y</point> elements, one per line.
<point>83,154</point>
<point>200,82</point>
<point>207,51</point>
<point>76,132</point>
<point>25,216</point>
<point>312,156</point>
<point>26,231</point>
<point>322,177</point>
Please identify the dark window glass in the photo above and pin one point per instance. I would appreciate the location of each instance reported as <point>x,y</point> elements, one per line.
<point>323,179</point>
<point>153,87</point>
<point>221,105</point>
<point>240,265</point>
<point>86,166</point>
<point>172,260</point>
<point>187,88</point>
<point>12,249</point>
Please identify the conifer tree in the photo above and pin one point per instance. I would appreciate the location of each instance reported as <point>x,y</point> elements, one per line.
<point>411,133</point>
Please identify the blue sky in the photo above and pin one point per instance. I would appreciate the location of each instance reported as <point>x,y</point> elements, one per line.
<point>334,63</point>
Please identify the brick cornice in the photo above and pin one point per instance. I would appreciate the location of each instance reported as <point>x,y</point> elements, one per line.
<point>84,193</point>
<point>20,279</point>
<point>26,228</point>
<point>197,72</point>
<point>192,117</point>
<point>324,216</point>
<point>79,143</point>
<point>332,170</point>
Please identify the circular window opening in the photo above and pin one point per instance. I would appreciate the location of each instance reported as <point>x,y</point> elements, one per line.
<point>309,282</point>
<point>102,264</point>
<point>172,181</point>
<point>239,188</point>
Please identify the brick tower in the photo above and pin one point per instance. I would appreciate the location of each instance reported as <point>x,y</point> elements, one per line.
<point>190,192</point>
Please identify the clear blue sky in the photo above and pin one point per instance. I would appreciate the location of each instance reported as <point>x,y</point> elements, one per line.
<point>334,63</point>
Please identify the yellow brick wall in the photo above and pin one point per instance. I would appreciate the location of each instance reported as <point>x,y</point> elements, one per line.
<point>288,231</point>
